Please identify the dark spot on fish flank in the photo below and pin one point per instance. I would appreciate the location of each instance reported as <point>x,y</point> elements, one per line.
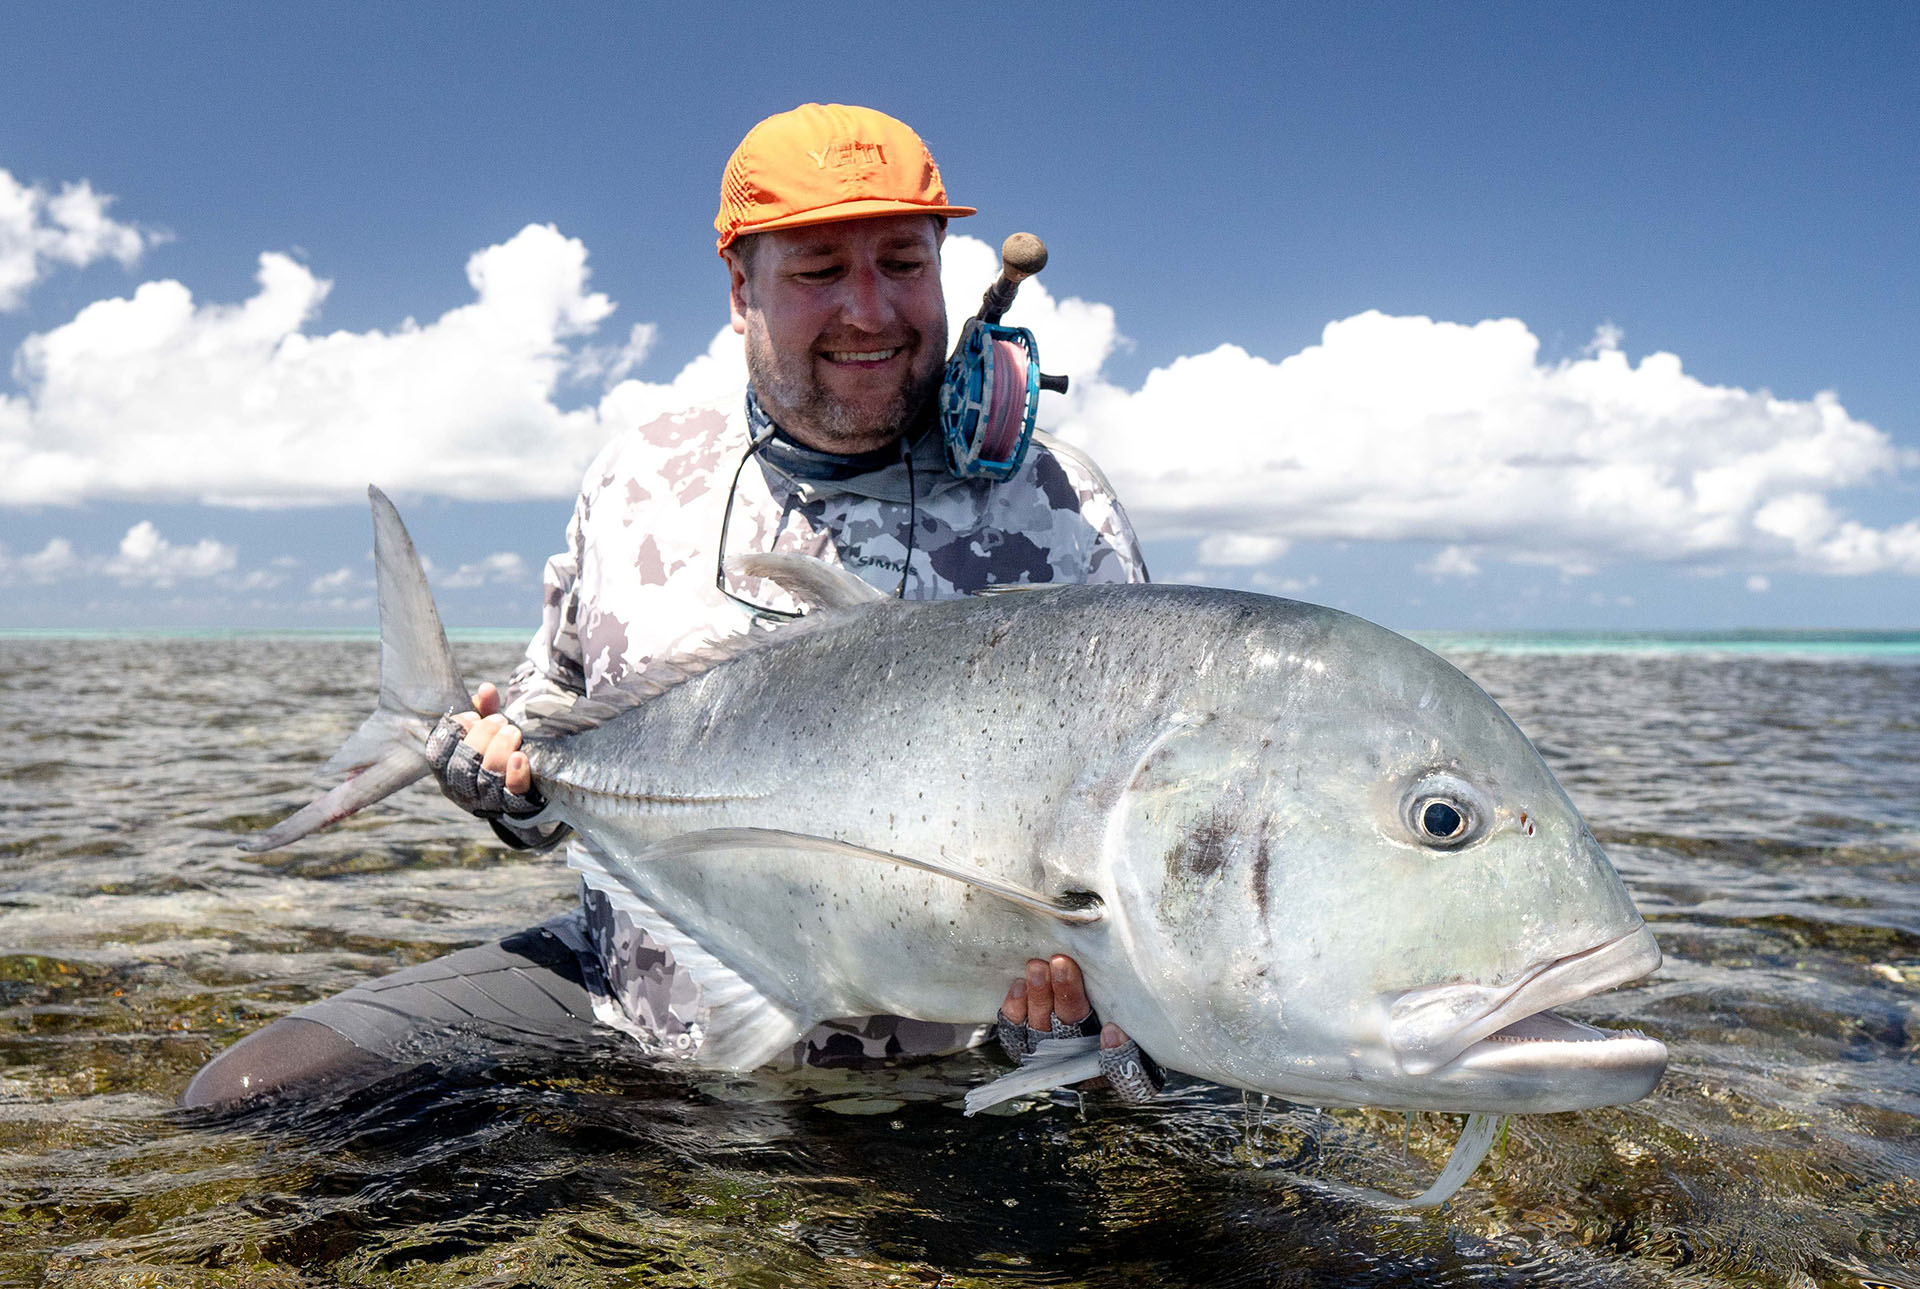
<point>1202,852</point>
<point>1262,860</point>
<point>999,633</point>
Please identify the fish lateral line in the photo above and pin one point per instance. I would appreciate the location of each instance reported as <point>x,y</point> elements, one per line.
<point>1076,908</point>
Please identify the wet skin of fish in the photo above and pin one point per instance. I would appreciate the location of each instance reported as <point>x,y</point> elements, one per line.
<point>1292,851</point>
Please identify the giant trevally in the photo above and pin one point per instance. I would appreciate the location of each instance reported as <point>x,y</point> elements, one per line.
<point>1292,851</point>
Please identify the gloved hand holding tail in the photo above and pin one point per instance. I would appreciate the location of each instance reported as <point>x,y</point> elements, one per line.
<point>478,763</point>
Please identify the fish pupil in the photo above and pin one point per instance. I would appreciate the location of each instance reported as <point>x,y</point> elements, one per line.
<point>1441,820</point>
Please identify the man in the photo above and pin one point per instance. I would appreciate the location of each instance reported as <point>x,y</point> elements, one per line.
<point>831,221</point>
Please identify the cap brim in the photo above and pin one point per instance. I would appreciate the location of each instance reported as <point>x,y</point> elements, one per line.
<point>866,209</point>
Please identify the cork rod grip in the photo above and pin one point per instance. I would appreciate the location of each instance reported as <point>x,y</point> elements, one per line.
<point>1021,256</point>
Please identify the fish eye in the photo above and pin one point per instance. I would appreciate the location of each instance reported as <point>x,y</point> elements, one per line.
<point>1444,811</point>
<point>1441,821</point>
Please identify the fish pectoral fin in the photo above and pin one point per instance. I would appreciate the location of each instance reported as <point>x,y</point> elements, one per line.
<point>715,840</point>
<point>1054,1063</point>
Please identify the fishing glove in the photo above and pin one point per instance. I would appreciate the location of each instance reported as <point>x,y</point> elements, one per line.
<point>471,786</point>
<point>1016,1040</point>
<point>1131,1073</point>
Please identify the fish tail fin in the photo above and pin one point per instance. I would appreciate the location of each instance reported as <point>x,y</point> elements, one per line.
<point>419,682</point>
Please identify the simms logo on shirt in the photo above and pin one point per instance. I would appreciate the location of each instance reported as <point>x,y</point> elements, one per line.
<point>845,154</point>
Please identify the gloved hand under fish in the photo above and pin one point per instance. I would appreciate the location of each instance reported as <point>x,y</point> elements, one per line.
<point>1292,852</point>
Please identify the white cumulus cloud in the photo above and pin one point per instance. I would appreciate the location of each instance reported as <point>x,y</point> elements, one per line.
<point>39,230</point>
<point>51,563</point>
<point>502,568</point>
<point>147,557</point>
<point>1228,550</point>
<point>144,558</point>
<point>163,396</point>
<point>1389,429</point>
<point>341,579</point>
<point>1409,429</point>
<point>1454,561</point>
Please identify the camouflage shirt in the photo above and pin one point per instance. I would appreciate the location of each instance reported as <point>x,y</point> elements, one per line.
<point>636,582</point>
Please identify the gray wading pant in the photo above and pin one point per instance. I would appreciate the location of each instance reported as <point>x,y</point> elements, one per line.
<point>527,986</point>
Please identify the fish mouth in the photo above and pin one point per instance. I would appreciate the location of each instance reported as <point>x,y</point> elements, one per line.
<point>1504,1044</point>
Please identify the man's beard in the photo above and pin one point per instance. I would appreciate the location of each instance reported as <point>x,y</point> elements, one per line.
<point>803,407</point>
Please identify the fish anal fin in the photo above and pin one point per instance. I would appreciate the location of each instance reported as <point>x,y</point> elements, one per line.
<point>741,1027</point>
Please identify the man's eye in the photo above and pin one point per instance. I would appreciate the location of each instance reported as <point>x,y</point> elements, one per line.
<point>818,275</point>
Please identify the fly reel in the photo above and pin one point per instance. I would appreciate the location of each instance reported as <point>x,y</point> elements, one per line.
<point>991,391</point>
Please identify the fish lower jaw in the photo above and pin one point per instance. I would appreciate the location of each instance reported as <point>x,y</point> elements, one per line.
<point>1426,1034</point>
<point>1545,1064</point>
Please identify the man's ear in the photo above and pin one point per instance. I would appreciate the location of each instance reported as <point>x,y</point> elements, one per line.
<point>736,290</point>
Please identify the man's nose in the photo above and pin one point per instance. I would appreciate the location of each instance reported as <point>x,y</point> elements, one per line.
<point>867,303</point>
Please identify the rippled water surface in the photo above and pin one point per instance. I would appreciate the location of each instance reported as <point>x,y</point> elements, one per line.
<point>1765,811</point>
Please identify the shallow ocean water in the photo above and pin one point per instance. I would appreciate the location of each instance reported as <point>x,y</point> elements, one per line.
<point>1764,808</point>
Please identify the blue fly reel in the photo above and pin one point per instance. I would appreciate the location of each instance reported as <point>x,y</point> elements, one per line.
<point>988,400</point>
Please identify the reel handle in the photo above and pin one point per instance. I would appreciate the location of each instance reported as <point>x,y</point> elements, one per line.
<point>1021,256</point>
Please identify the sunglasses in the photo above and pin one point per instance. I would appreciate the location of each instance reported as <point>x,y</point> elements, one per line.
<point>767,612</point>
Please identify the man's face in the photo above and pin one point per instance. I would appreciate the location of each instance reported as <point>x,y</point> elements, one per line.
<point>846,327</point>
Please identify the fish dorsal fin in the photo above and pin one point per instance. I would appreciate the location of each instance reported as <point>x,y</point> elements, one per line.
<point>813,581</point>
<point>710,841</point>
<point>823,585</point>
<point>656,678</point>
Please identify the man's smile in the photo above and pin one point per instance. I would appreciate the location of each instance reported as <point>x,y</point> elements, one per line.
<point>862,357</point>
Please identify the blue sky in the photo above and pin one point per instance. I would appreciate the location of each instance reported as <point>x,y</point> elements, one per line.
<point>1283,241</point>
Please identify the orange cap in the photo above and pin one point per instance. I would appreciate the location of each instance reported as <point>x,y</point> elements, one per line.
<point>823,162</point>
